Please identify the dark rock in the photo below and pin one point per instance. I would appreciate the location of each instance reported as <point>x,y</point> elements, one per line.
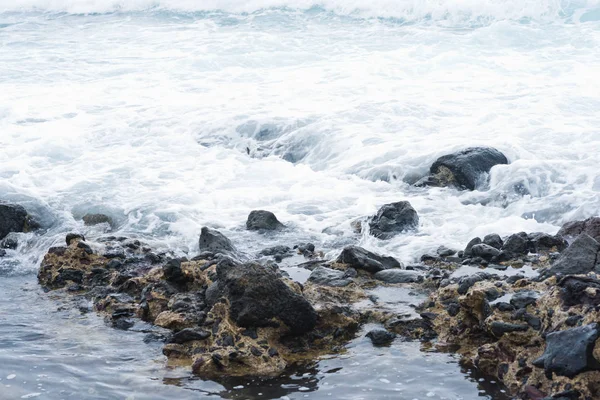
<point>380,337</point>
<point>493,240</point>
<point>114,264</point>
<point>516,245</point>
<point>257,295</point>
<point>189,334</point>
<point>392,219</point>
<point>473,242</point>
<point>359,258</point>
<point>578,259</point>
<point>329,277</point>
<point>86,247</point>
<point>570,352</point>
<point>533,321</point>
<point>465,169</point>
<point>466,282</point>
<point>277,251</point>
<point>573,320</point>
<point>524,298</point>
<point>95,219</point>
<point>575,290</point>
<point>484,251</point>
<point>398,276</point>
<point>428,257</point>
<point>444,251</point>
<point>2,253</point>
<point>172,272</point>
<point>69,274</point>
<point>14,218</point>
<point>9,243</point>
<point>273,352</point>
<point>542,241</point>
<point>590,226</point>
<point>504,307</point>
<point>215,242</point>
<point>500,328</point>
<point>262,220</point>
<point>255,351</point>
<point>453,309</point>
<point>72,236</point>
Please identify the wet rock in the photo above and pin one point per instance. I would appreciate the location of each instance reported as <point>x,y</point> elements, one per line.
<point>2,253</point>
<point>466,282</point>
<point>398,276</point>
<point>578,290</point>
<point>524,298</point>
<point>493,240</point>
<point>392,219</point>
<point>189,334</point>
<point>444,251</point>
<point>277,252</point>
<point>257,295</point>
<point>464,169</point>
<point>484,251</point>
<point>329,277</point>
<point>539,241</point>
<point>498,328</point>
<point>578,259</point>
<point>9,243</point>
<point>590,226</point>
<point>359,258</point>
<point>172,272</point>
<point>570,352</point>
<point>516,245</point>
<point>380,337</point>
<point>86,247</point>
<point>14,218</point>
<point>573,320</point>
<point>73,236</point>
<point>214,241</point>
<point>263,220</point>
<point>473,242</point>
<point>95,219</point>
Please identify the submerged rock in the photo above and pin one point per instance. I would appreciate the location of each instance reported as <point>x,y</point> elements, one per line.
<point>263,220</point>
<point>464,169</point>
<point>392,219</point>
<point>570,352</point>
<point>14,218</point>
<point>214,241</point>
<point>380,337</point>
<point>359,258</point>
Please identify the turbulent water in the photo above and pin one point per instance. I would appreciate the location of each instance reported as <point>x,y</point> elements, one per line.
<point>174,114</point>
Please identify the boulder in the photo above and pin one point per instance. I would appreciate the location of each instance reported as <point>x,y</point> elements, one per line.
<point>257,295</point>
<point>359,258</point>
<point>591,226</point>
<point>214,241</point>
<point>539,241</point>
<point>493,240</point>
<point>473,242</point>
<point>570,352</point>
<point>464,169</point>
<point>380,337</point>
<point>516,245</point>
<point>95,219</point>
<point>578,259</point>
<point>484,251</point>
<point>14,218</point>
<point>263,220</point>
<point>329,277</point>
<point>392,219</point>
<point>398,276</point>
<point>524,298</point>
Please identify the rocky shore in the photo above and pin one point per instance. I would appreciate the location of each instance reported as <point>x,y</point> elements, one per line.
<point>523,309</point>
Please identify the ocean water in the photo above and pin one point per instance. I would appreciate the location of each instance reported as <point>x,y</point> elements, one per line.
<point>169,115</point>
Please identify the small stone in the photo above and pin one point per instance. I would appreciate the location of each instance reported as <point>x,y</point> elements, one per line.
<point>73,236</point>
<point>524,298</point>
<point>398,276</point>
<point>500,328</point>
<point>380,337</point>
<point>188,335</point>
<point>444,251</point>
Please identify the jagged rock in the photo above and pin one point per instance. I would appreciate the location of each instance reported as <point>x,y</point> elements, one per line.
<point>466,282</point>
<point>516,245</point>
<point>465,169</point>
<point>524,298</point>
<point>392,219</point>
<point>469,248</point>
<point>172,272</point>
<point>263,220</point>
<point>570,352</point>
<point>591,226</point>
<point>214,241</point>
<point>189,334</point>
<point>257,295</point>
<point>578,259</point>
<point>359,258</point>
<point>9,243</point>
<point>543,241</point>
<point>380,337</point>
<point>579,290</point>
<point>398,276</point>
<point>498,328</point>
<point>493,240</point>
<point>95,219</point>
<point>329,277</point>
<point>484,251</point>
<point>14,218</point>
<point>73,236</point>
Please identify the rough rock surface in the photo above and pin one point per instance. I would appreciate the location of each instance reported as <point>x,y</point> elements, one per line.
<point>330,277</point>
<point>579,258</point>
<point>590,226</point>
<point>359,258</point>
<point>397,275</point>
<point>392,219</point>
<point>263,220</point>
<point>464,169</point>
<point>14,218</point>
<point>214,241</point>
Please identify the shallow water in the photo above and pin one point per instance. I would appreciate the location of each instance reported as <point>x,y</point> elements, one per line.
<point>174,114</point>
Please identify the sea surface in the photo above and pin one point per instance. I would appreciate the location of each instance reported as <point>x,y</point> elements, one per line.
<point>170,115</point>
